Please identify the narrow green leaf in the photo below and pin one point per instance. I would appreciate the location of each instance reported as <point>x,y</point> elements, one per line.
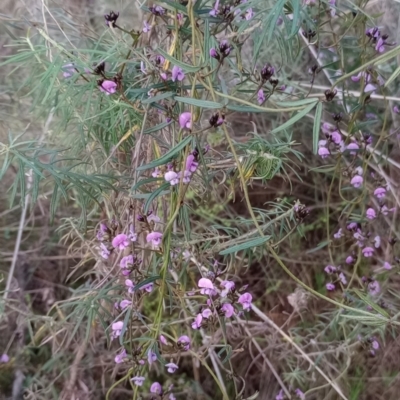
<point>146,281</point>
<point>198,102</point>
<point>371,303</point>
<point>392,77</point>
<point>317,127</point>
<point>246,245</point>
<point>299,115</point>
<point>144,182</point>
<point>167,156</point>
<point>159,97</point>
<point>155,194</point>
<point>156,128</point>
<point>174,61</point>
<point>296,103</point>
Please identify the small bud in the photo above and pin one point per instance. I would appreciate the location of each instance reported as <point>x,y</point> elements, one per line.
<point>330,94</point>
<point>267,72</point>
<point>337,117</point>
<point>111,18</point>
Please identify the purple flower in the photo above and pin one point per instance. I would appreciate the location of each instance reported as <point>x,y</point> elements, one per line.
<point>336,137</point>
<point>280,395</point>
<point>126,261</point>
<point>157,10</point>
<point>352,147</point>
<point>153,217</point>
<point>342,278</point>
<point>249,14</point>
<point>68,70</point>
<point>374,288</point>
<point>163,340</point>
<point>338,234</point>
<point>260,96</point>
<point>228,287</point>
<point>184,341</point>
<point>349,260</point>
<point>352,226</point>
<point>124,304</point>
<point>377,241</point>
<point>396,109</point>
<point>116,329</point>
<point>171,177</point>
<point>370,213</point>
<point>120,241</point>
<point>330,286</point>
<point>196,324</point>
<point>138,380</point>
<point>206,286</point>
<point>151,357</point>
<point>171,367</point>
<point>323,152</point>
<point>104,252</point>
<point>119,358</point>
<point>4,359</point>
<point>155,238</point>
<point>214,12</point>
<point>380,45</point>
<point>387,266</point>
<point>375,344</point>
<point>191,163</point>
<point>214,53</point>
<point>186,176</point>
<point>130,285</point>
<point>185,120</point>
<point>357,181</point>
<point>108,87</point>
<point>368,251</point>
<point>156,388</point>
<point>298,392</point>
<point>380,192</point>
<point>101,232</point>
<point>206,313</point>
<point>245,300</point>
<point>146,27</point>
<point>228,310</point>
<point>330,269</point>
<point>177,74</point>
<point>148,288</point>
<point>373,32</point>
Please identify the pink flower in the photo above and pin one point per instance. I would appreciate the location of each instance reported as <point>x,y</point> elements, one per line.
<point>368,251</point>
<point>206,313</point>
<point>156,388</point>
<point>260,96</point>
<point>151,357</point>
<point>298,392</point>
<point>104,252</point>
<point>349,260</point>
<point>119,358</point>
<point>148,288</point>
<point>380,192</point>
<point>386,265</point>
<point>196,324</point>
<point>336,137</point>
<point>108,87</point>
<point>4,359</point>
<point>138,380</point>
<point>323,152</point>
<point>330,286</point>
<point>228,310</point>
<point>146,27</point>
<point>374,288</point>
<point>177,74</point>
<point>155,238</point>
<point>126,261</point>
<point>171,367</point>
<point>377,241</point>
<point>245,300</point>
<point>184,341</point>
<point>370,213</point>
<point>163,340</point>
<point>132,234</point>
<point>116,329</point>
<point>338,234</point>
<point>185,120</point>
<point>125,303</point>
<point>228,286</point>
<point>186,176</point>
<point>352,147</point>
<point>68,70</point>
<point>342,278</point>
<point>206,286</point>
<point>171,177</point>
<point>356,181</point>
<point>330,269</point>
<point>191,163</point>
<point>120,241</point>
<point>156,173</point>
<point>130,285</point>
